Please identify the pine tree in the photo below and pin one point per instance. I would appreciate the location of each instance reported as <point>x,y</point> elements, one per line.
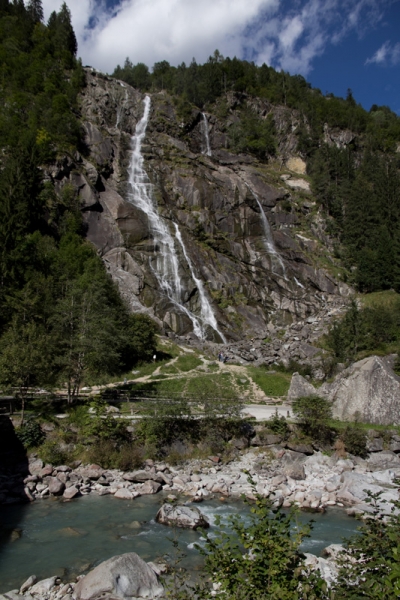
<point>35,10</point>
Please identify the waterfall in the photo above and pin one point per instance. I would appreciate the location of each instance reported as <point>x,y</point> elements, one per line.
<point>204,127</point>
<point>206,314</point>
<point>164,263</point>
<point>298,283</point>
<point>268,239</point>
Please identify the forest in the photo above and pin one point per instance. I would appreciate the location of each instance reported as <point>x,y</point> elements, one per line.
<point>358,185</point>
<point>61,317</point>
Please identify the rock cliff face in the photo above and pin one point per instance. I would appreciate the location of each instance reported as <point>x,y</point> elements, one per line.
<point>251,239</point>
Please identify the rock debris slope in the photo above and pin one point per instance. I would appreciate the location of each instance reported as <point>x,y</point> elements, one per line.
<point>250,234</point>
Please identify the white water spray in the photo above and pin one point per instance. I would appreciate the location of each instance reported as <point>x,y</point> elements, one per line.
<point>268,239</point>
<point>207,314</point>
<point>164,263</point>
<point>298,283</point>
<point>204,127</point>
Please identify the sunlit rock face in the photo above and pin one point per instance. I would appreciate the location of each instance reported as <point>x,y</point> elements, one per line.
<point>249,242</point>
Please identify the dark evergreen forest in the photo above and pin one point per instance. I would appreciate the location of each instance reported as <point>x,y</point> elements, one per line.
<point>358,186</point>
<point>61,317</point>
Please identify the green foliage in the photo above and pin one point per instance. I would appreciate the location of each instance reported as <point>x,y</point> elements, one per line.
<point>261,559</point>
<point>253,135</point>
<point>278,424</point>
<point>370,566</point>
<point>313,413</point>
<point>355,440</point>
<point>30,434</point>
<point>367,329</point>
<point>101,425</point>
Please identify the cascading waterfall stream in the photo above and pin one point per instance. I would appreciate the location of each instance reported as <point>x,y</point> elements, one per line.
<point>204,127</point>
<point>207,314</point>
<point>164,263</point>
<point>268,239</point>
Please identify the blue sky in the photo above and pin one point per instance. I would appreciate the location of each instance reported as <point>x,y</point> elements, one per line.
<point>334,44</point>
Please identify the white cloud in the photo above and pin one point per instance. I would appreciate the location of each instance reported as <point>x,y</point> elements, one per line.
<point>386,54</point>
<point>177,30</point>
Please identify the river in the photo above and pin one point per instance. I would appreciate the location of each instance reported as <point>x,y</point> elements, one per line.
<point>54,537</point>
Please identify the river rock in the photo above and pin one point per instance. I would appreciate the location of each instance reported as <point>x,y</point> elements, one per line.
<point>56,487</point>
<point>124,494</point>
<point>126,576</point>
<point>181,516</point>
<point>150,487</point>
<point>140,476</point>
<point>70,492</point>
<point>43,587</point>
<point>27,584</point>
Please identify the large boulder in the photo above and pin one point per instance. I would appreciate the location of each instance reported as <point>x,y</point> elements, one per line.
<point>125,576</point>
<point>299,387</point>
<point>181,516</point>
<point>368,390</point>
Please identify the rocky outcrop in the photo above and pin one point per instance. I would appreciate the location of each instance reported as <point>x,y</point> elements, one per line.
<point>126,577</point>
<point>368,391</point>
<point>220,204</point>
<point>299,387</point>
<point>181,516</point>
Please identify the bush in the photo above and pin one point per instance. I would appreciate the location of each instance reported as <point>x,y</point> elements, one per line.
<point>261,559</point>
<point>278,424</point>
<point>51,452</point>
<point>313,413</point>
<point>355,440</point>
<point>370,566</point>
<point>30,434</point>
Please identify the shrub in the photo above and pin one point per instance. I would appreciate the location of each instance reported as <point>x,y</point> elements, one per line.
<point>261,559</point>
<point>51,452</point>
<point>30,434</point>
<point>313,413</point>
<point>355,440</point>
<point>278,424</point>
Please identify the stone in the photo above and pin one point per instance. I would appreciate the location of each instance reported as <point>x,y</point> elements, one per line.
<point>138,476</point>
<point>374,445</point>
<point>56,487</point>
<point>302,448</point>
<point>124,494</point>
<point>214,459</point>
<point>299,386</point>
<point>91,473</point>
<point>36,466</point>
<point>150,487</point>
<point>369,390</point>
<point>181,516</point>
<point>126,576</point>
<point>47,470</point>
<point>71,492</point>
<point>43,587</point>
<point>27,584</point>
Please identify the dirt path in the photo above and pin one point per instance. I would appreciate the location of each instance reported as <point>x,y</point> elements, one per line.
<point>253,393</point>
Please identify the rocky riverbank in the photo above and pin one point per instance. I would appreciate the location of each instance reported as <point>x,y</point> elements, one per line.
<point>290,475</point>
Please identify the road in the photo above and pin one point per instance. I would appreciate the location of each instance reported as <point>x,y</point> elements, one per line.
<point>263,412</point>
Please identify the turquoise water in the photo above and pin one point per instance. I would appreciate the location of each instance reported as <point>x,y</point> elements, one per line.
<point>53,537</point>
